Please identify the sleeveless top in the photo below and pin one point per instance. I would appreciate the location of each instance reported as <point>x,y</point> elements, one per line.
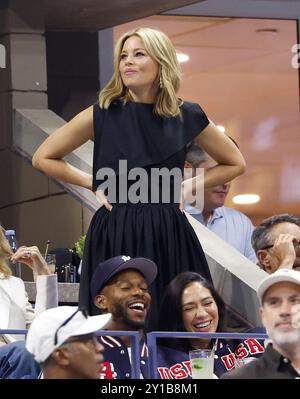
<point>133,132</point>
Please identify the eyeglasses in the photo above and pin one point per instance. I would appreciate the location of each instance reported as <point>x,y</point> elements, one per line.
<point>267,247</point>
<point>86,339</point>
<point>296,246</point>
<point>82,310</point>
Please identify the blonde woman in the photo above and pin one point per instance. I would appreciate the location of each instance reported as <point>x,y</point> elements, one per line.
<point>140,121</point>
<point>16,312</point>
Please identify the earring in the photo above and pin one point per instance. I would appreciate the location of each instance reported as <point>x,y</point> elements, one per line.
<point>160,82</point>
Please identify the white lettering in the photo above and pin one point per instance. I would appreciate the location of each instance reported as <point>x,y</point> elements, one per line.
<point>296,58</point>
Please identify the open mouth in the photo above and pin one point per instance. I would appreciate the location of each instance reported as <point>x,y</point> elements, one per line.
<point>204,326</point>
<point>137,307</point>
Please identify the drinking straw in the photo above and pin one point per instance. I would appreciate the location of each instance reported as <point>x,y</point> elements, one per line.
<point>47,248</point>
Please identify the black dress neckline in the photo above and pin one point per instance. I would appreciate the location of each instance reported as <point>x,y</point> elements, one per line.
<point>140,103</point>
<point>141,136</point>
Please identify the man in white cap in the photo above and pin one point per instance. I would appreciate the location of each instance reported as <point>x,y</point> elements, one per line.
<point>279,296</point>
<point>63,341</point>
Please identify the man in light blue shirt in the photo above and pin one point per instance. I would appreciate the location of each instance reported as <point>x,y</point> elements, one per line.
<point>232,226</point>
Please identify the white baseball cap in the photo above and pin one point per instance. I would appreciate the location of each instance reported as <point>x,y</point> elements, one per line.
<point>51,328</point>
<point>292,276</point>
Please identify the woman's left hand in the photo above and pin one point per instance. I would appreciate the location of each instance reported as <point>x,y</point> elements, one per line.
<point>31,257</point>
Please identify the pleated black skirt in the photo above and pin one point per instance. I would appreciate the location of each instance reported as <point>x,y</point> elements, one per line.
<point>160,232</point>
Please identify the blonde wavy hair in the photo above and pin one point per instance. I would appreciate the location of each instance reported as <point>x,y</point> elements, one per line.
<point>5,254</point>
<point>160,48</point>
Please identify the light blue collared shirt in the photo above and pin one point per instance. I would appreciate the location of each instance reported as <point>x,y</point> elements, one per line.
<point>232,226</point>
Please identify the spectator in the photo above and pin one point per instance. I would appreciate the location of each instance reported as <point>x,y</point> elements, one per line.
<point>63,341</point>
<point>197,307</point>
<point>279,295</point>
<point>276,241</point>
<point>232,226</point>
<point>15,310</point>
<point>120,286</point>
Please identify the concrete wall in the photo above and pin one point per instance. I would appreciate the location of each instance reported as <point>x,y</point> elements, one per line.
<point>30,202</point>
<point>72,71</point>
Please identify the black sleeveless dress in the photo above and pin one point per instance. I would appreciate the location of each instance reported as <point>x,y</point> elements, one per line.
<point>159,231</point>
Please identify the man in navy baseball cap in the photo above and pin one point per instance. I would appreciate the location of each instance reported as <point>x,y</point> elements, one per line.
<point>120,286</point>
<point>108,269</point>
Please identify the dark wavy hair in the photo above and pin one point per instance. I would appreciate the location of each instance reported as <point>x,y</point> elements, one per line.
<point>170,314</point>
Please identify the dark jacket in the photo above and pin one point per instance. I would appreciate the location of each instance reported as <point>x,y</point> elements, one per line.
<point>117,360</point>
<point>173,363</point>
<point>270,365</point>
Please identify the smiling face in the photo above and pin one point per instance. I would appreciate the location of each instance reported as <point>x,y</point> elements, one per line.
<point>139,72</point>
<point>127,297</point>
<point>199,309</point>
<point>276,313</point>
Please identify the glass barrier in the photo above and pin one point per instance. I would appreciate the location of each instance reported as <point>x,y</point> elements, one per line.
<point>152,344</point>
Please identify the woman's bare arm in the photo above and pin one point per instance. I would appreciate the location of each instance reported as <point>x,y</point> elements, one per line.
<point>230,162</point>
<point>229,158</point>
<point>49,156</point>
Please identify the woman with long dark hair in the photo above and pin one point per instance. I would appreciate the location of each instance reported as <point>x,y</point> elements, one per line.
<point>192,304</point>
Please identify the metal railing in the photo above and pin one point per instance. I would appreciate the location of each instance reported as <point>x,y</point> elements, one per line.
<point>134,341</point>
<point>152,344</point>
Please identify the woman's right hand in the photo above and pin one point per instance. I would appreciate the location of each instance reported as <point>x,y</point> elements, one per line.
<point>49,157</point>
<point>103,200</point>
<point>31,257</point>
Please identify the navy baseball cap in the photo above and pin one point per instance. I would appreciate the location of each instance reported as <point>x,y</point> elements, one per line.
<point>109,268</point>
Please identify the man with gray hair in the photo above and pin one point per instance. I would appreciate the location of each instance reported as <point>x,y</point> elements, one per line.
<point>279,296</point>
<point>231,225</point>
<point>276,241</point>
